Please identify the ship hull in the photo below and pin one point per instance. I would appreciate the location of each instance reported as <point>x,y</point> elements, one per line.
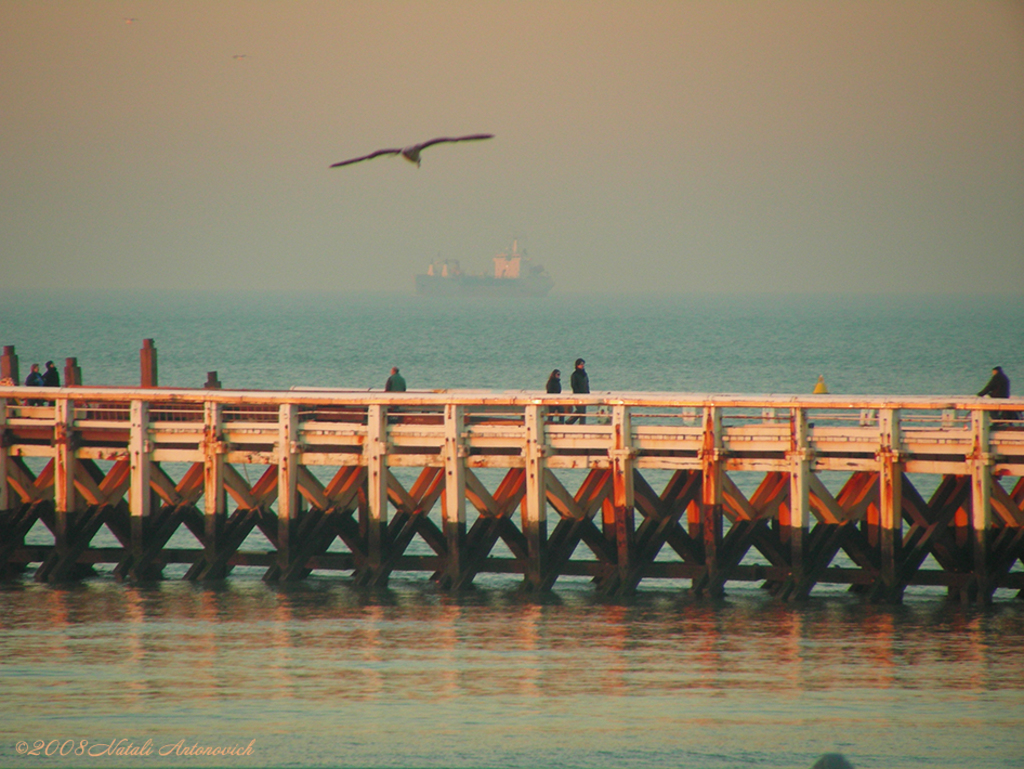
<point>483,285</point>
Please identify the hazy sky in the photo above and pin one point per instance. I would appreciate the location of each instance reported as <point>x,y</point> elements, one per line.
<point>640,146</point>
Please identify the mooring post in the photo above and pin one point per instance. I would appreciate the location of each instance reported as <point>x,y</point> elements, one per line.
<point>287,482</point>
<point>72,372</point>
<point>890,501</point>
<point>214,495</point>
<point>799,498</point>
<point>711,455</point>
<point>147,359</point>
<point>980,464</point>
<point>9,365</point>
<point>376,456</point>
<point>212,382</point>
<point>534,505</point>
<point>454,499</point>
<point>139,494</point>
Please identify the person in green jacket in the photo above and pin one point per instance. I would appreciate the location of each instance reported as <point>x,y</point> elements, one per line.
<point>395,383</point>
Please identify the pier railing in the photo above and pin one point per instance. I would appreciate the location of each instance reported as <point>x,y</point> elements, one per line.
<point>878,493</point>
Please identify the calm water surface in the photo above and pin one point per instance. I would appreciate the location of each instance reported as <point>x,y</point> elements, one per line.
<point>323,674</point>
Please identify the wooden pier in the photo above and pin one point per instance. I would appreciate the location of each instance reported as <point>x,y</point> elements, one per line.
<point>790,491</point>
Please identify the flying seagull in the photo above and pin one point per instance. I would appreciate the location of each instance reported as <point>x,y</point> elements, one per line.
<point>412,153</point>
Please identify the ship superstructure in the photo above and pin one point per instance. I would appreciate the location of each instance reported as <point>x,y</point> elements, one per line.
<point>514,275</point>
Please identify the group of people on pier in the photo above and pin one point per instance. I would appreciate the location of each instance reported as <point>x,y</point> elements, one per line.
<point>998,386</point>
<point>580,383</point>
<point>36,378</point>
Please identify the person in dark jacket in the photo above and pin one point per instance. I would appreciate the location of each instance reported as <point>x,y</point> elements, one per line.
<point>554,387</point>
<point>52,377</point>
<point>395,383</point>
<point>999,387</point>
<point>34,379</point>
<point>580,385</point>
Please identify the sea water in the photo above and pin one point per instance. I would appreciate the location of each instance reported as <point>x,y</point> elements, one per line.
<point>321,673</point>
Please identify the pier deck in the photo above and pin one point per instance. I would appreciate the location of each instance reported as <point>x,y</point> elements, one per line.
<point>792,491</point>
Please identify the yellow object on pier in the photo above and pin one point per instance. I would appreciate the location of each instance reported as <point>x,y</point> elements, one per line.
<point>821,388</point>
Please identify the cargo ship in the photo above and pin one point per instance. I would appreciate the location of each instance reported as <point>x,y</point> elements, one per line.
<point>514,276</point>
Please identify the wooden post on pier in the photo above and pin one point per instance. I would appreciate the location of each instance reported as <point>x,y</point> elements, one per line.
<point>980,463</point>
<point>63,465</point>
<point>72,373</point>
<point>287,484</point>
<point>214,494</point>
<point>890,503</point>
<point>60,563</point>
<point>621,503</point>
<point>799,497</point>
<point>9,365</point>
<point>147,359</point>
<point>375,452</point>
<point>711,455</point>
<point>454,499</point>
<point>534,505</point>
<point>139,494</point>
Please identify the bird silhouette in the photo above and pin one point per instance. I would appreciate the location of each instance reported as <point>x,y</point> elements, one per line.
<point>412,152</point>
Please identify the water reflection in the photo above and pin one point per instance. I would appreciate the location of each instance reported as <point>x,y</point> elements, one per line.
<point>240,650</point>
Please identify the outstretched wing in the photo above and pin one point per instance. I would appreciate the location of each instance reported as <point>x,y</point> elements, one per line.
<point>440,139</point>
<point>372,155</point>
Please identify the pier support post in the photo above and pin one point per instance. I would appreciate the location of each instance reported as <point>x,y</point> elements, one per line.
<point>214,495</point>
<point>63,464</point>
<point>147,362</point>
<point>140,497</point>
<point>287,484</point>
<point>980,587</point>
<point>799,505</point>
<point>890,504</point>
<point>622,502</point>
<point>711,456</point>
<point>375,452</point>
<point>454,499</point>
<point>534,505</point>
<point>73,529</point>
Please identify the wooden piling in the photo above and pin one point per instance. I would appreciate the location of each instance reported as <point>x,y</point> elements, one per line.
<point>147,362</point>
<point>9,365</point>
<point>712,581</point>
<point>72,372</point>
<point>453,510</point>
<point>534,505</point>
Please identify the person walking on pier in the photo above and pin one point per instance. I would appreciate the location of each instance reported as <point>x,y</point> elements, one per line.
<point>52,377</point>
<point>999,387</point>
<point>580,385</point>
<point>395,383</point>
<point>554,387</point>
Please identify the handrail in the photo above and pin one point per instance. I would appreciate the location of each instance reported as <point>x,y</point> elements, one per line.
<point>518,398</point>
